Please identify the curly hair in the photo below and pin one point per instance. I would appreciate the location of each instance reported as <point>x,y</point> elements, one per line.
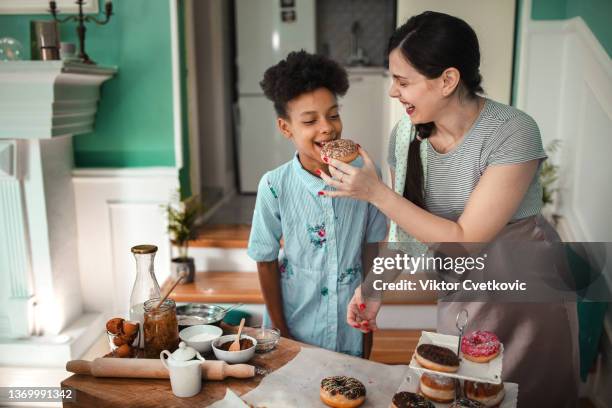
<point>299,73</point>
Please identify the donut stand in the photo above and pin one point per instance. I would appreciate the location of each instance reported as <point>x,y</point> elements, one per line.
<point>489,372</point>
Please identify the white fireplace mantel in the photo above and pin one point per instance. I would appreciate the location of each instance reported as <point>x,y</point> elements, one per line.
<point>42,105</point>
<point>44,99</point>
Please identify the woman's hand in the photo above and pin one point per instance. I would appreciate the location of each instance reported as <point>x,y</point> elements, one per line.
<point>349,181</point>
<point>361,314</point>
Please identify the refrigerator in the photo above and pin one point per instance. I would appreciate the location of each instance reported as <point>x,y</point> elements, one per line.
<point>266,31</point>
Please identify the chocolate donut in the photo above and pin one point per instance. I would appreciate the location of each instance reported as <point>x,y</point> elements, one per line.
<point>407,399</point>
<point>437,358</point>
<point>466,403</point>
<point>342,392</point>
<point>341,149</point>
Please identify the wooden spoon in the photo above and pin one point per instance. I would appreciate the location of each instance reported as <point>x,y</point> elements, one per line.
<point>235,346</point>
<point>169,291</point>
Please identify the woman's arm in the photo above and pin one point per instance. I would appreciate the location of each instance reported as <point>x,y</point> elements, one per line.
<point>491,205</point>
<point>269,280</point>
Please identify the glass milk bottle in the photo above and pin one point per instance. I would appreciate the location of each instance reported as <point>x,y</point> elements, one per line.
<point>145,286</point>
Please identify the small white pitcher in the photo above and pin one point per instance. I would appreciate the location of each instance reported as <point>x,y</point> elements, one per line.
<point>185,373</point>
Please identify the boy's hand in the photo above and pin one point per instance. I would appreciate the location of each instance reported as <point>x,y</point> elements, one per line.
<point>284,332</point>
<point>349,181</point>
<point>361,314</point>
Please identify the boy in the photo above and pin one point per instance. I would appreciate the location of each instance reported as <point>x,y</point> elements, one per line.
<point>308,289</point>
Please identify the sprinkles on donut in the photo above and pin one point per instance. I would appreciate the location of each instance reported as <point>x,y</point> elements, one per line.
<point>344,150</point>
<point>466,403</point>
<point>480,346</point>
<point>342,392</point>
<point>407,399</point>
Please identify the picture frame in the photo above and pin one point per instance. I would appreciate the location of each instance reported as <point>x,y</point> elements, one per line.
<point>288,16</point>
<point>42,6</point>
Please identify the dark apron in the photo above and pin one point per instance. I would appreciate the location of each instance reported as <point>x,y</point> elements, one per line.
<point>540,340</point>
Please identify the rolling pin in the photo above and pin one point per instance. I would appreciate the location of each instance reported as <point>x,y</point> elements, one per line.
<point>153,368</point>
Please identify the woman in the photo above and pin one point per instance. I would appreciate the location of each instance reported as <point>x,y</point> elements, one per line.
<point>465,169</point>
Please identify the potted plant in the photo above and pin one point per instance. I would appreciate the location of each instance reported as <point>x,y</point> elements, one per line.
<point>548,180</point>
<point>182,217</point>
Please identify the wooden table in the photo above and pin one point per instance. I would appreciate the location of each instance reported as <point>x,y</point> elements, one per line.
<point>92,392</point>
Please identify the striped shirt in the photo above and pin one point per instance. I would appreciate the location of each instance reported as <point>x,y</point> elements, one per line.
<point>500,135</point>
<point>320,264</point>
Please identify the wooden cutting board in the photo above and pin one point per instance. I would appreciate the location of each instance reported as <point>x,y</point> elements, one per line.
<point>92,392</point>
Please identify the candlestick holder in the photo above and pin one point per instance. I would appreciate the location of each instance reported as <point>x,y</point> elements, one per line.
<point>81,19</point>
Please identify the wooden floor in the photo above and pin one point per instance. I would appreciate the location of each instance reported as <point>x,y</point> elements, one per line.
<point>219,287</point>
<point>394,346</point>
<point>222,236</point>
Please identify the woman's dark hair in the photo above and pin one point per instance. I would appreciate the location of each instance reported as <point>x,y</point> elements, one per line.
<point>433,42</point>
<point>299,73</point>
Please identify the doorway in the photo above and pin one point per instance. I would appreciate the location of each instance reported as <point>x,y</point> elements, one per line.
<point>212,103</point>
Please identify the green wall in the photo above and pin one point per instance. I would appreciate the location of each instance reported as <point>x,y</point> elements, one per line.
<point>134,124</point>
<point>597,14</point>
<point>517,48</point>
<point>548,9</point>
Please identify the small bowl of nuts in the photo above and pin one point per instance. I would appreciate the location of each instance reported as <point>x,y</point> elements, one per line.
<point>123,337</point>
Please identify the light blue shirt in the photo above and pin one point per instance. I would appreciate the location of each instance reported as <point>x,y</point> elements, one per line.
<point>320,264</point>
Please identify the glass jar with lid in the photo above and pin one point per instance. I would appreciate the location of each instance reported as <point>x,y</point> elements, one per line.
<point>160,327</point>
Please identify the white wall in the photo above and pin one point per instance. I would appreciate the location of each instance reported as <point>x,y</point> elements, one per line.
<point>565,83</point>
<point>117,209</point>
<point>493,21</point>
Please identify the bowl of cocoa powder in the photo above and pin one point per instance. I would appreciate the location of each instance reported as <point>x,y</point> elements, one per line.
<point>247,349</point>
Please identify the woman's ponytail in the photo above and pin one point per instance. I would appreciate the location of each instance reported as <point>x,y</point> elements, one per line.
<point>414,189</point>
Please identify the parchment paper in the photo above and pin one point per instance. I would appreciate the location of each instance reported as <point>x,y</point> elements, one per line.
<point>297,383</point>
<point>231,400</point>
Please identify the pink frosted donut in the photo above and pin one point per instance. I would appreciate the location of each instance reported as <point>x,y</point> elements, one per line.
<point>480,346</point>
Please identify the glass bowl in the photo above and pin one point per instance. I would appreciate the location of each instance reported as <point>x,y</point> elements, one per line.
<point>10,49</point>
<point>267,337</point>
<point>121,345</point>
